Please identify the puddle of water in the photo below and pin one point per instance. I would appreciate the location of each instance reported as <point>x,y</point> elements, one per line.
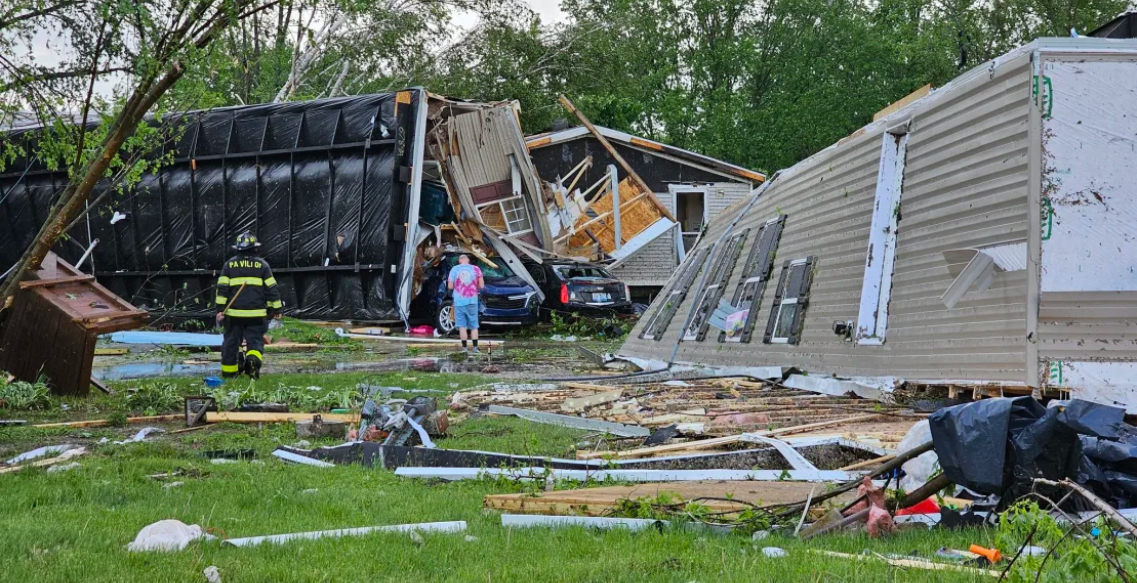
<point>139,370</point>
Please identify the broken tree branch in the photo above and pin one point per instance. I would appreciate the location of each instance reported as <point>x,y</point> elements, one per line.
<point>1102,505</point>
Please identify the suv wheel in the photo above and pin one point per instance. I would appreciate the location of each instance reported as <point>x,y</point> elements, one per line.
<point>444,319</point>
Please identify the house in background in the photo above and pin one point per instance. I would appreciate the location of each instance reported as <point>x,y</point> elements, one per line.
<point>980,238</point>
<point>693,187</point>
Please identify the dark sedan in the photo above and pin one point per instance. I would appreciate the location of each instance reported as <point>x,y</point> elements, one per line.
<point>580,288</point>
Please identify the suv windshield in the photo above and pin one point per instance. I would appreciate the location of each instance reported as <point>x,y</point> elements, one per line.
<point>489,273</point>
<point>572,271</point>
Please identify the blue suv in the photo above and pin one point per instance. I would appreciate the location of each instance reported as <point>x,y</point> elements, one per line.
<point>506,300</point>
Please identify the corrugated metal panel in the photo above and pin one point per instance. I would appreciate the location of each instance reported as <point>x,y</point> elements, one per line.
<point>965,186</point>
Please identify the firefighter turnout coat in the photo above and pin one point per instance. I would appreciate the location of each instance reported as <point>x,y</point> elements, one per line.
<point>247,287</point>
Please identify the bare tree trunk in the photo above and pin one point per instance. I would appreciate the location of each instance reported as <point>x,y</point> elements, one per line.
<point>302,62</point>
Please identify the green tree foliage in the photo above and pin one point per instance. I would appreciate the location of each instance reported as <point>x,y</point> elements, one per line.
<point>762,84</point>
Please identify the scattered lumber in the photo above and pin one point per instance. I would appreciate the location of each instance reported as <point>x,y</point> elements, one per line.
<point>578,404</point>
<point>720,441</point>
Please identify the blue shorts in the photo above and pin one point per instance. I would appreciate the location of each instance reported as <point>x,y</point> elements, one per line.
<point>466,316</point>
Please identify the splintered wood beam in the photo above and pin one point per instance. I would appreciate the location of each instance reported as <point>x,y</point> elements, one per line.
<point>616,156</point>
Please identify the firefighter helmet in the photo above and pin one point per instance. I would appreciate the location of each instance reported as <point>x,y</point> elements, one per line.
<point>246,241</point>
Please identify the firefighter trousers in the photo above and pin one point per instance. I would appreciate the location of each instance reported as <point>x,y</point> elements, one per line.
<point>252,331</point>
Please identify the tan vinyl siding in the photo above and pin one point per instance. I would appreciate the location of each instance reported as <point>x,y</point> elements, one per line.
<point>965,186</point>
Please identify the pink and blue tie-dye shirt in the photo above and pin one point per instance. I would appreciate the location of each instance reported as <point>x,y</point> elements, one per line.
<point>465,280</point>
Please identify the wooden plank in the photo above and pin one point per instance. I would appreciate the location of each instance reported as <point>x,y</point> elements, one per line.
<point>110,351</point>
<point>241,417</point>
<point>869,463</point>
<point>99,385</point>
<point>616,156</point>
<point>54,282</point>
<point>103,422</point>
<point>719,441</point>
<point>581,403</point>
<point>903,102</point>
<point>43,463</point>
<point>913,563</point>
<point>732,497</point>
<point>587,386</point>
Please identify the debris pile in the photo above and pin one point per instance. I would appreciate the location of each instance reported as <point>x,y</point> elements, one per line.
<point>710,407</point>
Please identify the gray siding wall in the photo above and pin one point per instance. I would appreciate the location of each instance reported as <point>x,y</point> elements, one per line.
<point>965,186</point>
<point>657,261</point>
<point>723,194</point>
<point>652,265</point>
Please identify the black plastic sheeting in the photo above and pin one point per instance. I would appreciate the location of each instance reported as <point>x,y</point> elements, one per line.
<point>998,446</point>
<point>318,182</point>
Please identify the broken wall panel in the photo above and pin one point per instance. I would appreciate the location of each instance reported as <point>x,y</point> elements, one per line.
<point>1087,320</point>
<point>482,150</point>
<point>317,182</point>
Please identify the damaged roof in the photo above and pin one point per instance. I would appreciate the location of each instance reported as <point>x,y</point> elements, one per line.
<point>679,154</point>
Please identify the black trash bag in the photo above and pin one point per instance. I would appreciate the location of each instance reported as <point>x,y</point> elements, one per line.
<point>999,446</point>
<point>971,440</point>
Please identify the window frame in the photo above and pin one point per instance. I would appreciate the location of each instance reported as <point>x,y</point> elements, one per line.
<point>684,278</point>
<point>800,299</point>
<point>722,268</point>
<point>752,275</point>
<point>880,260</point>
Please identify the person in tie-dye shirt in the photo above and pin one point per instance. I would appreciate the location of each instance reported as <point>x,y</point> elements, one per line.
<point>466,280</point>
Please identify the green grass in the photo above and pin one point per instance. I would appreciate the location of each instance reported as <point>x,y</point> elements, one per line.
<point>73,526</point>
<point>513,436</point>
<point>99,405</point>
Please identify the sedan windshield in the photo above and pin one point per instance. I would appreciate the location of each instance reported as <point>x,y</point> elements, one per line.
<point>574,271</point>
<point>502,271</point>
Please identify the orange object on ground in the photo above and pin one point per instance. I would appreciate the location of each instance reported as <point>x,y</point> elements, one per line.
<point>992,555</point>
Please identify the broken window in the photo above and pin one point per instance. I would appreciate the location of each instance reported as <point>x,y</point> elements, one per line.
<point>663,315</point>
<point>876,288</point>
<point>509,216</point>
<point>739,325</point>
<point>721,270</point>
<point>790,302</point>
<point>516,216</point>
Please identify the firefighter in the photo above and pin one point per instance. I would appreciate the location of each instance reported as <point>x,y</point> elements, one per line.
<point>247,298</point>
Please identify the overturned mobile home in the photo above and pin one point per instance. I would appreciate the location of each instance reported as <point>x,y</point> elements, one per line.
<point>326,186</point>
<point>354,199</point>
<point>980,236</point>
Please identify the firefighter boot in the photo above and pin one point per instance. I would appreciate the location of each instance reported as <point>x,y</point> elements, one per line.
<point>253,365</point>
